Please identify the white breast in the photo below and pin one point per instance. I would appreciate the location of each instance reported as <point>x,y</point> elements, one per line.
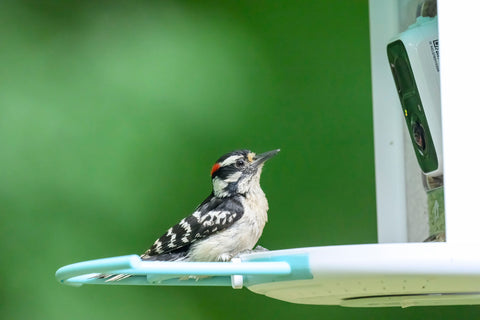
<point>241,236</point>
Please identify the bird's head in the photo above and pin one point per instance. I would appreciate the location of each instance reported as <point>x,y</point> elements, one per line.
<point>238,171</point>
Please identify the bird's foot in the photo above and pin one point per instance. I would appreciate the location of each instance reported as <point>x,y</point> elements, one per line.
<point>196,278</point>
<point>257,249</point>
<point>260,249</point>
<point>225,257</point>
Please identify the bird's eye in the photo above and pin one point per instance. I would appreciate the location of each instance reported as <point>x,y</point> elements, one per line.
<point>240,163</point>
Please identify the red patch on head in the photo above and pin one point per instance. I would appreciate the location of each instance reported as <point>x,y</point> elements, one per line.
<point>215,167</point>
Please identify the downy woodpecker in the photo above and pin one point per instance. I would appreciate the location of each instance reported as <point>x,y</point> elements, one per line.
<point>229,221</point>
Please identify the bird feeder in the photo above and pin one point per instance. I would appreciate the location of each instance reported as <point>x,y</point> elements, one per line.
<point>401,269</point>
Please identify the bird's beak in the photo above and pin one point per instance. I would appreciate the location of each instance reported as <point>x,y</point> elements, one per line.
<point>259,159</point>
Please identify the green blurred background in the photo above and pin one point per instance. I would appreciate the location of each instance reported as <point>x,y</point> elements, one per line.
<point>111,116</point>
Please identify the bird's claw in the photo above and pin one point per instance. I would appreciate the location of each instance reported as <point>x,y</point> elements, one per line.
<point>257,249</point>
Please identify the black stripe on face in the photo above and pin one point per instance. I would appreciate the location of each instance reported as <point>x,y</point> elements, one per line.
<point>226,168</point>
<point>224,172</point>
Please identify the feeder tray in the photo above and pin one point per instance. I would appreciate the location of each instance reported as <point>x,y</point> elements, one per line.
<point>369,275</point>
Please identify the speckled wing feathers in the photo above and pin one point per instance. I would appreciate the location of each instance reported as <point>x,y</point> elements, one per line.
<point>212,216</point>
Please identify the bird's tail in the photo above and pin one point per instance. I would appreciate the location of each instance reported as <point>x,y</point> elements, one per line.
<point>176,256</point>
<point>112,277</point>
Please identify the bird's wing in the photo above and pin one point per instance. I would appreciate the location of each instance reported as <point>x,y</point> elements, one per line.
<point>211,216</point>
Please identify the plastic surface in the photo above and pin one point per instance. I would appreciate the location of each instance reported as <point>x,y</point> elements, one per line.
<point>375,275</point>
<point>166,273</point>
<point>458,27</point>
<point>370,275</point>
<point>390,169</point>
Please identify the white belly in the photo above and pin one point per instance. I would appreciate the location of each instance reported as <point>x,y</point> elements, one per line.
<point>241,236</point>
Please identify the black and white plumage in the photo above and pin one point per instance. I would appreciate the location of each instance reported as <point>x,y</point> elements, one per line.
<point>212,216</point>
<point>229,221</point>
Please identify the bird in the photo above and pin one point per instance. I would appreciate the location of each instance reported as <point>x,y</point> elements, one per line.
<point>227,223</point>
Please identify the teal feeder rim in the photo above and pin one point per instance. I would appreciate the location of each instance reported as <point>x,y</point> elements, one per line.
<point>170,273</point>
